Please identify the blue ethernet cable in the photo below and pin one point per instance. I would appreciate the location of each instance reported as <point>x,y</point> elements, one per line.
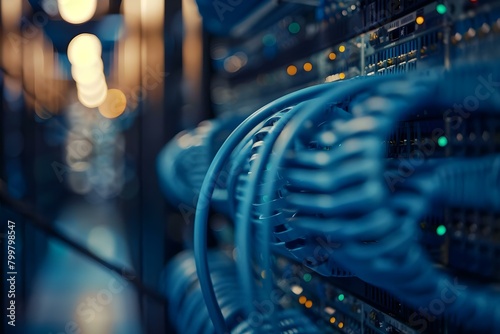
<point>289,320</point>
<point>243,228</point>
<point>186,308</point>
<point>257,169</point>
<point>183,162</point>
<point>202,208</point>
<point>208,185</point>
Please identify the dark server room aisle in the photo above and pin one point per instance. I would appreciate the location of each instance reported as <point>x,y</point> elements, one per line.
<point>250,166</point>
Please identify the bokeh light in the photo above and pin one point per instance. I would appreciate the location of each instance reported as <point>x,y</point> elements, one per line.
<point>77,11</point>
<point>291,70</point>
<point>84,50</point>
<point>114,105</point>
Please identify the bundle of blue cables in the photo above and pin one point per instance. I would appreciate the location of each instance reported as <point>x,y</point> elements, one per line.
<point>339,190</point>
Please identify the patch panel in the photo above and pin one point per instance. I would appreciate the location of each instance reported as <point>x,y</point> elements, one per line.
<point>340,311</point>
<point>417,39</point>
<point>473,136</point>
<point>378,12</point>
<point>415,136</point>
<point>398,46</point>
<point>433,236</point>
<point>471,33</point>
<point>474,238</point>
<point>345,52</point>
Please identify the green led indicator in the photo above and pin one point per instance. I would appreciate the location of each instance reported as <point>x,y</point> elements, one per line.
<point>441,230</point>
<point>441,9</point>
<point>307,277</point>
<point>341,297</point>
<point>268,40</point>
<point>442,141</point>
<point>294,27</point>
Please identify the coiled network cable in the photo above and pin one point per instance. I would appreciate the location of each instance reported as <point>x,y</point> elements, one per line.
<point>208,186</point>
<point>262,167</point>
<point>182,289</point>
<point>184,161</point>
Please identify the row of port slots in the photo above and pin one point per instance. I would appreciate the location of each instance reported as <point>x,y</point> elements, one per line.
<point>472,242</point>
<point>324,294</point>
<point>475,137</point>
<point>403,53</point>
<point>380,11</point>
